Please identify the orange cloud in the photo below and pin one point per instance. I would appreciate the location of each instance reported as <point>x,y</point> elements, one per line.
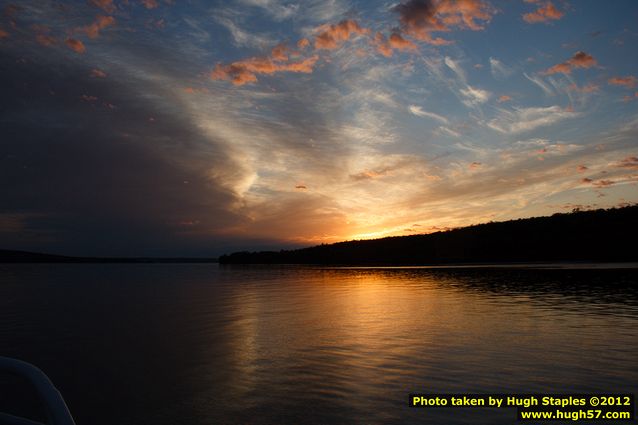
<point>149,4</point>
<point>579,60</point>
<point>76,45</point>
<point>3,34</point>
<point>303,43</point>
<point>586,180</point>
<point>105,5</point>
<point>369,174</point>
<point>603,183</point>
<point>582,168</point>
<point>629,162</point>
<point>629,81</point>
<point>395,42</point>
<point>246,71</point>
<point>301,186</point>
<point>10,10</point>
<point>45,39</point>
<point>101,22</point>
<point>98,73</point>
<point>475,165</point>
<point>42,35</point>
<point>332,36</point>
<point>545,13</point>
<point>504,98</point>
<point>279,52</point>
<point>589,88</point>
<point>420,18</point>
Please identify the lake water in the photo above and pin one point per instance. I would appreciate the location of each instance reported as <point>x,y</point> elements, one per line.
<point>204,344</point>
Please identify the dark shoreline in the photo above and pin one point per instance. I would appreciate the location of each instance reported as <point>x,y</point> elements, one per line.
<point>597,236</point>
<point>25,257</point>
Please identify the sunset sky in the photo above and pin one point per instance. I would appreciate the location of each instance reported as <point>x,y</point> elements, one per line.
<point>193,127</point>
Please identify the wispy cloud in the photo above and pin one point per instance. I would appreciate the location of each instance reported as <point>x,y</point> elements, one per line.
<point>475,96</point>
<point>541,84</point>
<point>499,69</point>
<point>628,81</point>
<point>277,9</point>
<point>504,98</point>
<point>419,112</point>
<point>242,37</point>
<point>519,120</point>
<point>456,67</point>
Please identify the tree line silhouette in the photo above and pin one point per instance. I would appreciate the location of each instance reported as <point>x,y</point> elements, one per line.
<point>597,235</point>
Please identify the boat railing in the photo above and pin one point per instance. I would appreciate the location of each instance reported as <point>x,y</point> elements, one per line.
<point>56,410</point>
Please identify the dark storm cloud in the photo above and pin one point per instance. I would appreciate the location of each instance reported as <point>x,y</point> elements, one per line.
<point>117,175</point>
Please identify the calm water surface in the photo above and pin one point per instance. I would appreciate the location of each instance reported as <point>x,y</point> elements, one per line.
<point>203,344</point>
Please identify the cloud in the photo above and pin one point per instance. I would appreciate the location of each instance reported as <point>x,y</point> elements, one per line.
<point>499,69</point>
<point>582,168</point>
<point>448,131</point>
<point>301,186</point>
<point>88,209</point>
<point>149,4</point>
<point>42,35</point>
<point>274,8</point>
<point>504,98</point>
<point>525,119</point>
<point>628,81</point>
<point>101,22</point>
<point>105,5</point>
<point>246,71</point>
<point>76,45</point>
<point>10,10</point>
<point>3,34</point>
<point>545,13</point>
<point>279,52</point>
<point>454,66</point>
<point>419,112</point>
<point>303,43</point>
<point>629,162</point>
<point>328,37</point>
<point>240,36</point>
<point>578,60</point>
<point>603,183</point>
<point>474,165</point>
<point>421,18</point>
<point>98,73</point>
<point>89,98</point>
<point>395,42</point>
<point>369,174</point>
<point>589,88</point>
<point>540,83</point>
<point>332,36</point>
<point>474,96</point>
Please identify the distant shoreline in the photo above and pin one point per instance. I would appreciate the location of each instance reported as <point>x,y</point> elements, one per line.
<point>25,257</point>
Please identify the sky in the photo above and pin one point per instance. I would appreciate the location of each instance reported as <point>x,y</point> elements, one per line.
<point>197,128</point>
